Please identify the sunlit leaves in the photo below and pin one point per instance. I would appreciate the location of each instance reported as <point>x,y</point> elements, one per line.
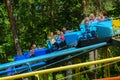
<point>33,19</point>
<point>6,22</point>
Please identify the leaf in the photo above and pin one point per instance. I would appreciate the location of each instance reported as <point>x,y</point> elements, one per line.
<point>31,1</point>
<point>78,5</point>
<point>6,22</point>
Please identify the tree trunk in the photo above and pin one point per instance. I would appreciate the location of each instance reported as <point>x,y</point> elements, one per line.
<point>84,7</point>
<point>51,14</point>
<point>2,34</point>
<point>99,5</point>
<point>13,26</point>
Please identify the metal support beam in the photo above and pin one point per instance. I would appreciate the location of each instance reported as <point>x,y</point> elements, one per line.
<point>93,57</point>
<point>37,76</point>
<point>116,42</point>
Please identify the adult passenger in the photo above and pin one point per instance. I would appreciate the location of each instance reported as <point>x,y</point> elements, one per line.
<point>101,17</point>
<point>52,38</point>
<point>92,18</point>
<point>60,36</point>
<point>87,24</point>
<point>105,15</point>
<point>66,30</point>
<point>60,39</point>
<point>52,45</point>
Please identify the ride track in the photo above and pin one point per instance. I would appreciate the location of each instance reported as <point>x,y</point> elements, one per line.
<point>60,68</point>
<point>47,57</point>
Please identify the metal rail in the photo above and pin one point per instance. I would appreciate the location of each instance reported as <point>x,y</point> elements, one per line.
<point>61,68</point>
<point>51,55</point>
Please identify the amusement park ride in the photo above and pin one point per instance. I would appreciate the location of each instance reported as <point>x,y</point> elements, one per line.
<point>101,34</point>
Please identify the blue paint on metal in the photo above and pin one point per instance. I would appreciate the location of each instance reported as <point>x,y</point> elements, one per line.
<point>67,58</point>
<point>71,39</point>
<point>24,67</point>
<point>30,69</point>
<point>51,55</point>
<point>104,29</point>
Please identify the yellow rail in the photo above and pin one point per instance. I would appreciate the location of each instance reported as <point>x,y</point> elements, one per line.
<point>116,23</point>
<point>60,68</point>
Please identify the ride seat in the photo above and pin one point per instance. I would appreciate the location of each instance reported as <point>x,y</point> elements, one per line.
<point>20,57</point>
<point>71,39</point>
<point>39,52</point>
<point>93,26</point>
<point>26,54</point>
<point>82,28</point>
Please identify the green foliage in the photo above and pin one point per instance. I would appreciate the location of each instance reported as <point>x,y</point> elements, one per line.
<point>33,21</point>
<point>115,11</point>
<point>6,37</point>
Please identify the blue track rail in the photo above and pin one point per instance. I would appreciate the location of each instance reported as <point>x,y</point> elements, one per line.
<point>50,56</point>
<point>22,68</point>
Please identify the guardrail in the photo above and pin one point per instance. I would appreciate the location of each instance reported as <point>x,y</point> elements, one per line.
<point>36,73</point>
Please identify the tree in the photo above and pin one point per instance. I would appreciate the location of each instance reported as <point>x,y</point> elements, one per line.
<point>13,26</point>
<point>84,7</point>
<point>115,11</point>
<point>51,14</point>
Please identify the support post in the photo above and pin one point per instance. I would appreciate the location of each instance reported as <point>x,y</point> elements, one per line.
<point>77,70</point>
<point>45,76</point>
<point>37,76</point>
<point>69,72</point>
<point>106,54</point>
<point>92,57</point>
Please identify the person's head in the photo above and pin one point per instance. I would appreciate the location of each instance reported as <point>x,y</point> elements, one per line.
<point>51,34</point>
<point>64,29</point>
<point>101,14</point>
<point>86,20</point>
<point>58,32</point>
<point>34,46</point>
<point>104,13</point>
<point>61,33</point>
<point>101,17</point>
<point>92,16</point>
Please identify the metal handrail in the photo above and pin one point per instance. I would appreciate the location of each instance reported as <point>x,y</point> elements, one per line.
<point>60,68</point>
